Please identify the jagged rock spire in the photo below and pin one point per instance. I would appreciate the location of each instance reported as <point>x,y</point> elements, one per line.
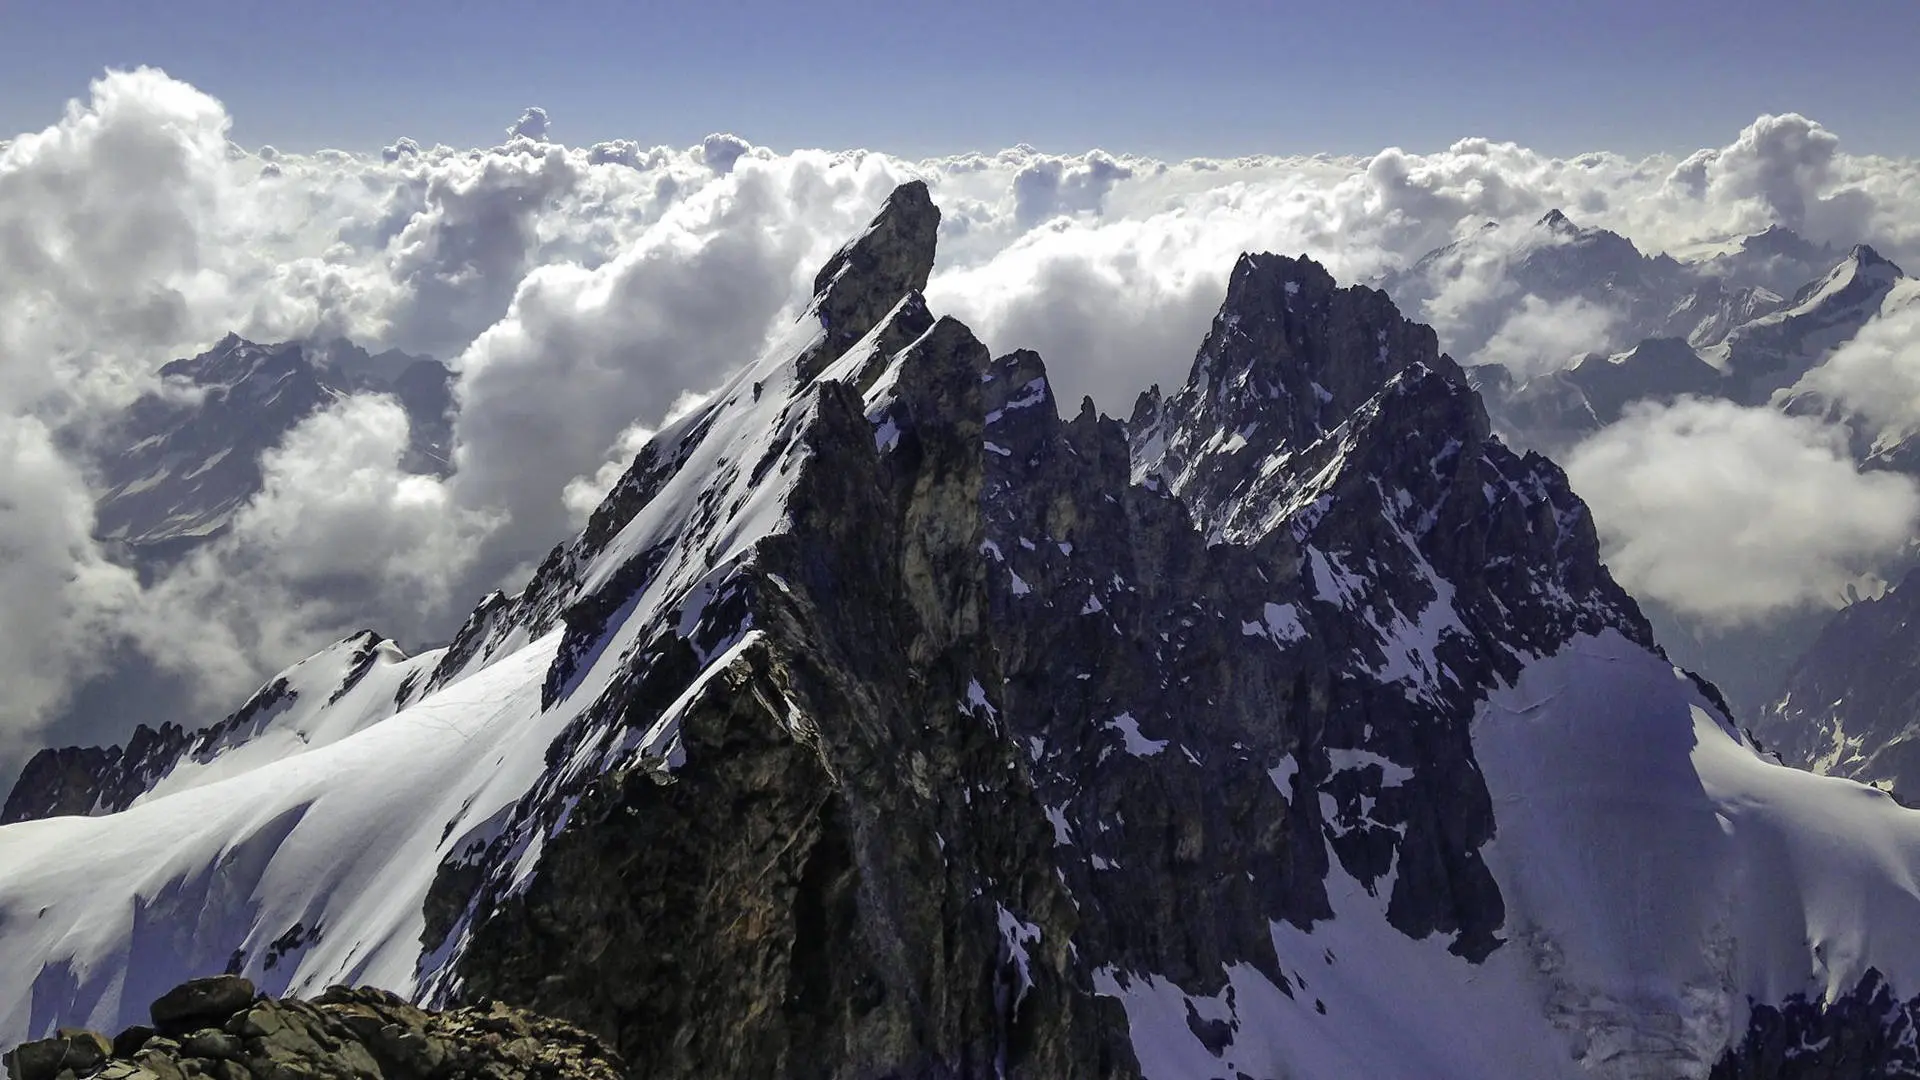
<point>1290,356</point>
<point>865,279</point>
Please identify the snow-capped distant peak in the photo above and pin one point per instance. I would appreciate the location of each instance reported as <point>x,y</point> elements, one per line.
<point>1556,221</point>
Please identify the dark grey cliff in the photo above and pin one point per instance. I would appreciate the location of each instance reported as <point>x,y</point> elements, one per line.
<point>1851,703</point>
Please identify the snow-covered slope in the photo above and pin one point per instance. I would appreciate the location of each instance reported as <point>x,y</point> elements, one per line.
<point>303,865</point>
<point>305,870</point>
<point>1775,351</point>
<point>273,834</point>
<point>1661,878</point>
<point>320,700</point>
<point>1776,259</point>
<point>883,722</point>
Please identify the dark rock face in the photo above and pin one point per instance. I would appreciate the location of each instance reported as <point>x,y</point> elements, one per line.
<point>94,780</point>
<point>1867,1032</point>
<point>72,1051</point>
<point>218,1028</point>
<point>873,272</point>
<point>801,897</point>
<point>1851,705</point>
<point>1383,614</point>
<point>858,867</point>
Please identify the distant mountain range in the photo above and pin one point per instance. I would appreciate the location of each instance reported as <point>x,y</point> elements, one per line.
<point>1747,321</point>
<point>179,464</point>
<point>1480,281</point>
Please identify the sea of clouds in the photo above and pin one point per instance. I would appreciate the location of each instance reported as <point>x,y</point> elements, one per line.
<point>585,293</point>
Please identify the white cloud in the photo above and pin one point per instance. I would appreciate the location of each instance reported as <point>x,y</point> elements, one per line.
<point>1732,513</point>
<point>584,354</point>
<point>101,245</point>
<point>333,506</point>
<point>1543,336</point>
<point>64,601</point>
<point>533,124</point>
<point>1782,169</point>
<point>1047,186</point>
<point>720,151</point>
<point>1877,373</point>
<point>585,290</point>
<point>336,535</point>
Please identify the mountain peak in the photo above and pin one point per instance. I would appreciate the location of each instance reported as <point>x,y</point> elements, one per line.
<point>1778,240</point>
<point>881,723</point>
<point>1287,330</point>
<point>863,281</point>
<point>233,359</point>
<point>1291,357</point>
<point>1556,221</point>
<point>1866,257</point>
<point>1262,275</point>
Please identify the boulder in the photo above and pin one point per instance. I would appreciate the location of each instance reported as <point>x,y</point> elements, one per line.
<point>201,1003</point>
<point>72,1049</point>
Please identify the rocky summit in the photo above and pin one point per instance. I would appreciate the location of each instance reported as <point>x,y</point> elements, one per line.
<point>219,1027</point>
<point>889,719</point>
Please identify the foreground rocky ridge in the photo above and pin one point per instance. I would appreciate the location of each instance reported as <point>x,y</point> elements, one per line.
<point>883,722</point>
<point>219,1027</point>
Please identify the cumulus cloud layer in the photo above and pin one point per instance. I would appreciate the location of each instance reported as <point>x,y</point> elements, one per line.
<point>64,600</point>
<point>1732,513</point>
<point>1877,374</point>
<point>582,292</point>
<point>1545,336</point>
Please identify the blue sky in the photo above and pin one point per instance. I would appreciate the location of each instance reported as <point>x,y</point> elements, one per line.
<point>1220,78</point>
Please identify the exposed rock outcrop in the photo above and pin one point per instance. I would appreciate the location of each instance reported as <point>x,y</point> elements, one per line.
<point>219,1028</point>
<point>1851,704</point>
